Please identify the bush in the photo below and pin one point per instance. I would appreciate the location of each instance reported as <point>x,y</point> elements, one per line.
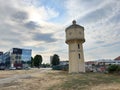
<point>118,69</point>
<point>114,69</point>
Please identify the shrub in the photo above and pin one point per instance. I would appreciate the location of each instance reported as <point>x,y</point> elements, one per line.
<point>114,69</point>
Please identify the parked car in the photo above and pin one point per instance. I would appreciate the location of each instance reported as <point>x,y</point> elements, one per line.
<point>60,67</point>
<point>12,68</point>
<point>27,68</point>
<point>19,68</point>
<point>2,67</point>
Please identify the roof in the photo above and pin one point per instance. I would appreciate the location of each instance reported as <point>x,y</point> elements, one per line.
<point>74,25</point>
<point>117,58</point>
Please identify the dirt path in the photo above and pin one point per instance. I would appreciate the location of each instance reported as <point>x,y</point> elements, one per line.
<point>35,79</point>
<point>10,76</point>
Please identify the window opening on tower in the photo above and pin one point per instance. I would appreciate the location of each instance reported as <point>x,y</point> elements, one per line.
<point>78,46</point>
<point>79,56</point>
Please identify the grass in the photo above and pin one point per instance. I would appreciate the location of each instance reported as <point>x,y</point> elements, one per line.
<point>85,81</point>
<point>60,80</point>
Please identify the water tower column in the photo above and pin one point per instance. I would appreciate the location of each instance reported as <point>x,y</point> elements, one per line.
<point>75,39</point>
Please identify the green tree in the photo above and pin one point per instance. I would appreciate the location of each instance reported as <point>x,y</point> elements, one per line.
<point>29,62</point>
<point>32,62</point>
<point>37,61</point>
<point>55,60</point>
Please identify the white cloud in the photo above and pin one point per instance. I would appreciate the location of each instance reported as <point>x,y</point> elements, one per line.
<point>79,8</point>
<point>41,13</point>
<point>95,16</point>
<point>22,21</point>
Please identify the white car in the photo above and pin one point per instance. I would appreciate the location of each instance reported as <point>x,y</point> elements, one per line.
<point>12,68</point>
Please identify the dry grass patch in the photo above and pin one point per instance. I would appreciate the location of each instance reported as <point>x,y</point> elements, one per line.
<point>60,80</point>
<point>37,81</point>
<point>9,73</point>
<point>112,86</point>
<point>89,81</point>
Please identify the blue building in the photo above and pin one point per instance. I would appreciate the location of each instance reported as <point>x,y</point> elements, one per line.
<point>17,57</point>
<point>2,63</point>
<point>1,57</point>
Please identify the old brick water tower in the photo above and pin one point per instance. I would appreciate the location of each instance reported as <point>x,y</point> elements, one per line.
<point>75,39</point>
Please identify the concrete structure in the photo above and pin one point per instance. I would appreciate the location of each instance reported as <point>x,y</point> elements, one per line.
<point>75,39</point>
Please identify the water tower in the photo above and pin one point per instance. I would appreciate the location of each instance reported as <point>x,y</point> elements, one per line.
<point>75,39</point>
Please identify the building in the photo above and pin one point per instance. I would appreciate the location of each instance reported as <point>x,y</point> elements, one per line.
<point>100,65</point>
<point>17,57</point>
<point>1,57</point>
<point>2,64</point>
<point>117,58</point>
<point>75,39</point>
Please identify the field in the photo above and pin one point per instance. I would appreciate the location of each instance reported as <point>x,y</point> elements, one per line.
<point>47,79</point>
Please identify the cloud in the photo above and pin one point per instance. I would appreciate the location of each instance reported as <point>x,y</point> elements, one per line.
<point>100,19</point>
<point>48,38</point>
<point>111,44</point>
<point>41,13</point>
<point>40,25</point>
<point>103,52</point>
<point>115,18</point>
<point>99,42</point>
<point>20,16</point>
<point>97,15</point>
<point>79,8</point>
<point>31,25</point>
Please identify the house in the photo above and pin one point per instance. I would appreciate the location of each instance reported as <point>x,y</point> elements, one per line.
<point>117,58</point>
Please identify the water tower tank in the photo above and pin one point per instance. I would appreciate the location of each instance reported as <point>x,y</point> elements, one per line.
<point>75,32</point>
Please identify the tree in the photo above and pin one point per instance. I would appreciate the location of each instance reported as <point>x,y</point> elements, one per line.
<point>37,60</point>
<point>55,60</point>
<point>32,62</point>
<point>29,62</point>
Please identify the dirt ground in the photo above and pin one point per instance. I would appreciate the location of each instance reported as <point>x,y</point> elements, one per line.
<point>47,79</point>
<point>34,79</point>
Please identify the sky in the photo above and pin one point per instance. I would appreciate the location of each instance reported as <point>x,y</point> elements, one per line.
<point>40,25</point>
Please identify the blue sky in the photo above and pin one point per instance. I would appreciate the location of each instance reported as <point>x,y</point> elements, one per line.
<point>40,25</point>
